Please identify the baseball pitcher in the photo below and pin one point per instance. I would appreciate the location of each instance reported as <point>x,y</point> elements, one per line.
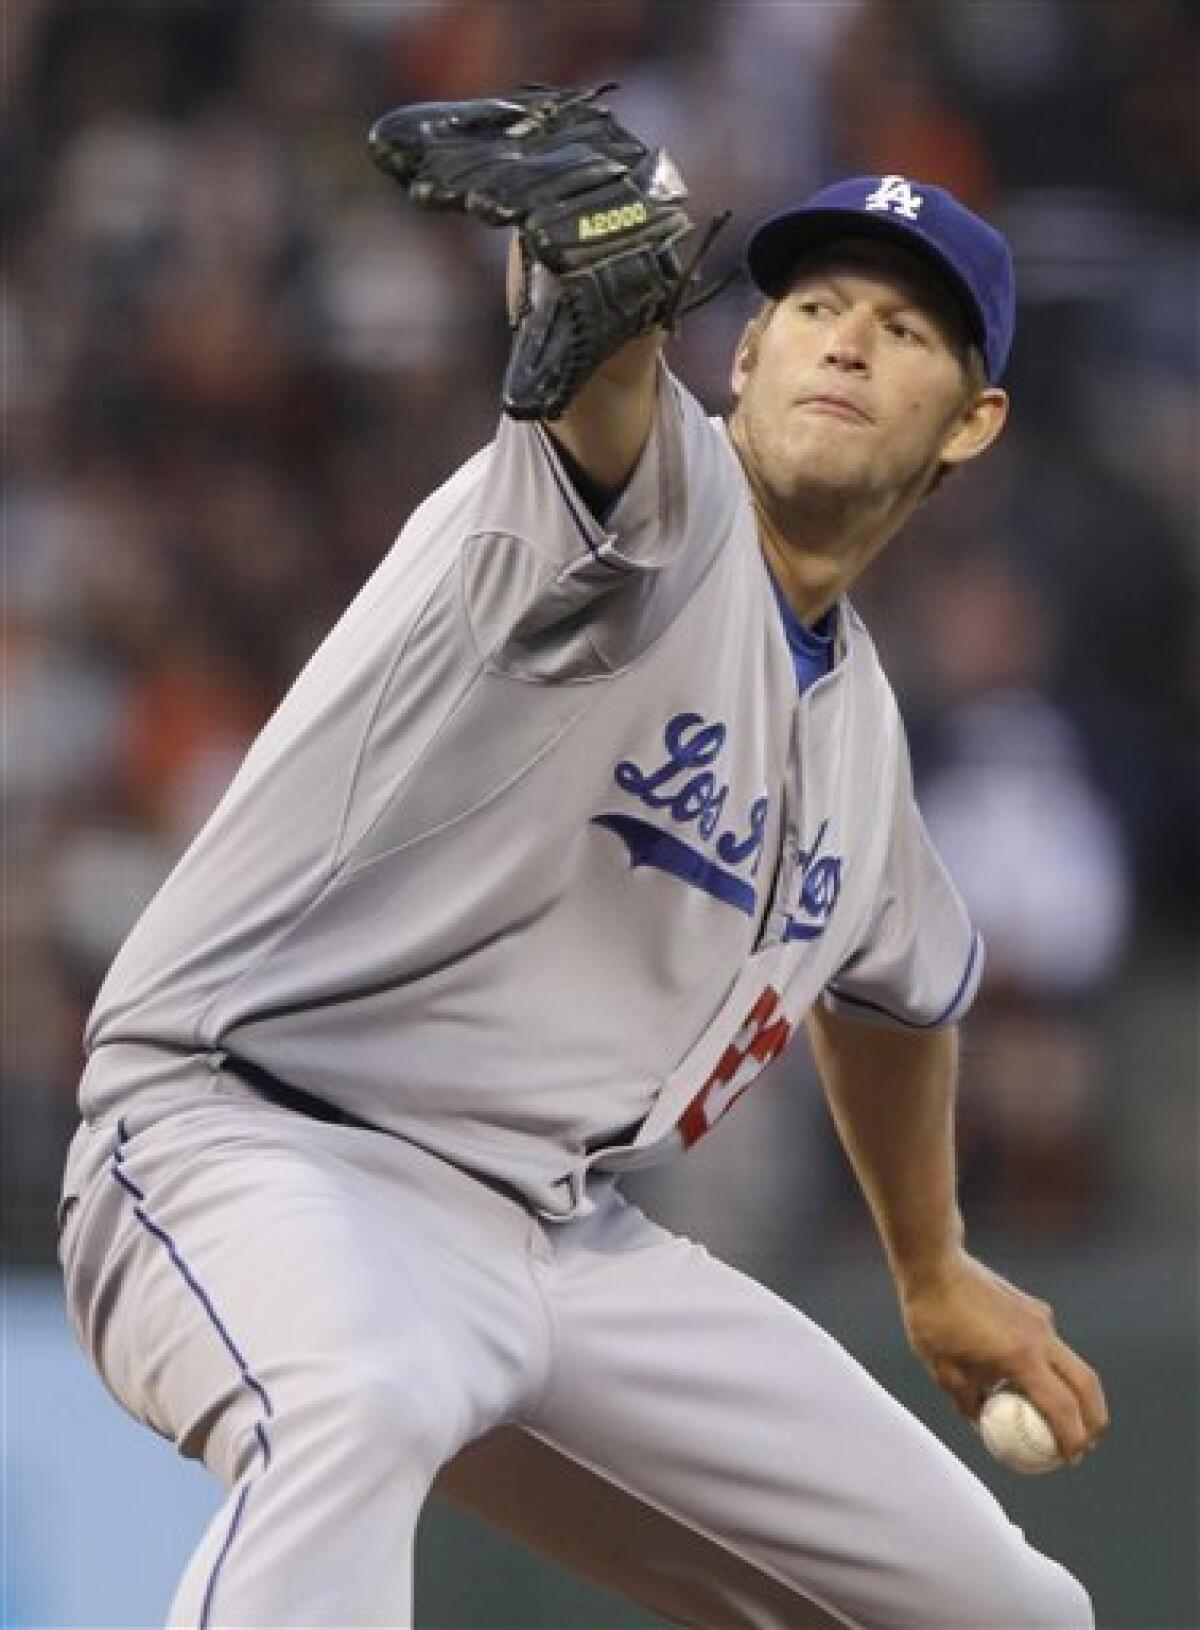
<point>594,796</point>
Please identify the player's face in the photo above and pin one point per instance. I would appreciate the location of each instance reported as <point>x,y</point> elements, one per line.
<point>856,383</point>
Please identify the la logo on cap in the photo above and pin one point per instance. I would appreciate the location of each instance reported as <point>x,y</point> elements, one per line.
<point>894,193</point>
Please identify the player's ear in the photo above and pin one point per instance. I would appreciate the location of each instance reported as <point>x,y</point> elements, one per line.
<point>976,426</point>
<point>744,361</point>
<point>745,355</point>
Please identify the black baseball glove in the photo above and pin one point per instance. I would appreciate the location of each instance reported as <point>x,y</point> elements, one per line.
<point>595,207</point>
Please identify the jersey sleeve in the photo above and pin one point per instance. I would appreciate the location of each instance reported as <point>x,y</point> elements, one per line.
<point>919,964</point>
<point>529,494</point>
<point>554,593</point>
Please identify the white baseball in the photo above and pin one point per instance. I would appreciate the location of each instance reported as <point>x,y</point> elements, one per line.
<point>1017,1434</point>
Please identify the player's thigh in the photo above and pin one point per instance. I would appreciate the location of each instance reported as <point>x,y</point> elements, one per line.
<point>712,1400</point>
<point>236,1260</point>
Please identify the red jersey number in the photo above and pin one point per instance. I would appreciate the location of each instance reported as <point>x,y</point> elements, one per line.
<point>762,1037</point>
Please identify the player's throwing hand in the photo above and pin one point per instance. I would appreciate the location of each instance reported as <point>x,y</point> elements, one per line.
<point>974,1330</point>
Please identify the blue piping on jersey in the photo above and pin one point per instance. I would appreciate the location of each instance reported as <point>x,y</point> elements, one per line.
<point>918,1024</point>
<point>648,846</point>
<point>249,1379</point>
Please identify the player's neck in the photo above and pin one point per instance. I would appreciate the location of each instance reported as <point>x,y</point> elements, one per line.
<point>817,553</point>
<point>819,540</point>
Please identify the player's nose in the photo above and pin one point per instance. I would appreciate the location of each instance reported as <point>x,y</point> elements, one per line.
<point>848,356</point>
<point>848,342</point>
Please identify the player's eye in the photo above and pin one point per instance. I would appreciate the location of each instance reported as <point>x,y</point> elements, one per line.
<point>906,332</point>
<point>812,305</point>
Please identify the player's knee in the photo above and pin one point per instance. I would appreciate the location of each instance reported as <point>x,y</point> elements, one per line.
<point>1067,1605</point>
<point>1080,1606</point>
<point>1032,1591</point>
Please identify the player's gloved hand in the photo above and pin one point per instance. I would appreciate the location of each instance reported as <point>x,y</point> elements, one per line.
<point>974,1330</point>
<point>592,205</point>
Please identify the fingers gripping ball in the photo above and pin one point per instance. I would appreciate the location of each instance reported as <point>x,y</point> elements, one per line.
<point>599,217</point>
<point>1017,1434</point>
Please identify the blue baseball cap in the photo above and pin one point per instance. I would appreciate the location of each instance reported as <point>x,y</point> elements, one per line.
<point>968,254</point>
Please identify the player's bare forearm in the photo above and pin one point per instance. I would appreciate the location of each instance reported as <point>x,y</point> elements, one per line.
<point>891,1094</point>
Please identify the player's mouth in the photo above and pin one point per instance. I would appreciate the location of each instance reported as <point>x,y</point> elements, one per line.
<point>836,407</point>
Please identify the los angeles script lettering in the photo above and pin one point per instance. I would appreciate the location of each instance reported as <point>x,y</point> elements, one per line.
<point>692,794</point>
<point>820,884</point>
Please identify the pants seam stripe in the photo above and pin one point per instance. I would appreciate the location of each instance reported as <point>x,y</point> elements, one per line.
<point>247,1376</point>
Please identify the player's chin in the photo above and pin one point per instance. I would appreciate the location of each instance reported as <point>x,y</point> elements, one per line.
<point>817,467</point>
<point>826,443</point>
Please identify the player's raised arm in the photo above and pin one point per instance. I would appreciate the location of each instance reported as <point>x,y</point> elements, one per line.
<point>601,262</point>
<point>606,425</point>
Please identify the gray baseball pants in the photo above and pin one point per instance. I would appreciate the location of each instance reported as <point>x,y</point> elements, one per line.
<point>335,1321</point>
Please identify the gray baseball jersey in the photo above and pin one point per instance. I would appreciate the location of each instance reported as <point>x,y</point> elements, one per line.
<point>543,857</point>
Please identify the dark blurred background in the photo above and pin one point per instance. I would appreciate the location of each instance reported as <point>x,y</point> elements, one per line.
<point>233,361</point>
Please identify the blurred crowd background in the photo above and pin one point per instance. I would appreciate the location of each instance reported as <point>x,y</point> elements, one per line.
<point>234,360</point>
